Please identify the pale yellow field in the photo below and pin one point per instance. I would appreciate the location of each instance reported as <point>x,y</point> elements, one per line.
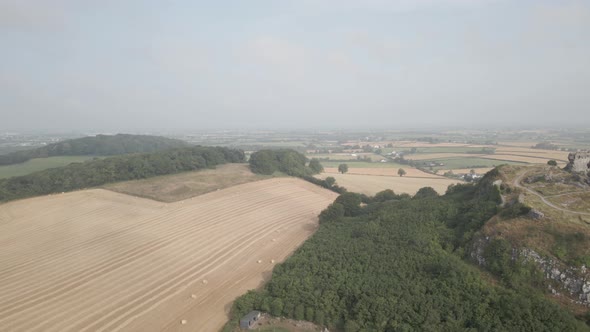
<point>518,144</point>
<point>524,159</point>
<point>372,184</point>
<point>547,154</point>
<point>427,156</point>
<point>383,171</point>
<point>97,260</point>
<point>345,156</point>
<point>413,144</point>
<point>467,170</point>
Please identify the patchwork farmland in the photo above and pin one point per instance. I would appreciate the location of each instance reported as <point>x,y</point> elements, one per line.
<point>97,260</point>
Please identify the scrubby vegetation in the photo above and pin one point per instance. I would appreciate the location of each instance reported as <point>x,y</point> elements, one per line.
<point>113,169</point>
<point>100,145</point>
<point>395,264</point>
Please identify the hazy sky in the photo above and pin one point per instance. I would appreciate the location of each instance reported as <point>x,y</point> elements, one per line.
<point>122,65</point>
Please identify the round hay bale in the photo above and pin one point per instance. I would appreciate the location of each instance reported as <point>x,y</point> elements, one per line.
<point>205,281</point>
<point>259,261</point>
<point>193,296</point>
<point>272,261</point>
<point>183,322</point>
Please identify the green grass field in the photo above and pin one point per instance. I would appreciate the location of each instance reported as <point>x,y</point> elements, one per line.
<point>35,165</point>
<point>464,162</point>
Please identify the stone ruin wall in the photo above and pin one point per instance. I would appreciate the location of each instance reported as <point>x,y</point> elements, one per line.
<point>579,162</point>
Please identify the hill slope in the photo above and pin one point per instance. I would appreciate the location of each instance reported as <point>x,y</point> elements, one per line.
<point>395,265</point>
<point>100,145</point>
<point>552,239</point>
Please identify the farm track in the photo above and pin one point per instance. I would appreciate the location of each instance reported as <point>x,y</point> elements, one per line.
<point>100,261</point>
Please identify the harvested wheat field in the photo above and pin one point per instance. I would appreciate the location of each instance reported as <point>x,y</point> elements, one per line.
<point>523,159</point>
<point>97,260</point>
<point>480,171</point>
<point>372,184</point>
<point>383,171</point>
<point>429,156</point>
<point>539,153</point>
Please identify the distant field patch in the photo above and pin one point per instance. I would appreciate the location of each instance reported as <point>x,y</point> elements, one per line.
<point>431,156</point>
<point>464,162</point>
<point>410,171</point>
<point>361,164</point>
<point>456,149</point>
<point>522,159</point>
<point>39,164</point>
<point>467,170</point>
<point>524,144</point>
<point>372,184</point>
<point>175,187</point>
<point>416,144</point>
<point>547,154</point>
<point>344,156</point>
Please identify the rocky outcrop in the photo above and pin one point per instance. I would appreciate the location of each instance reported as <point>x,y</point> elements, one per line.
<point>536,214</point>
<point>570,281</point>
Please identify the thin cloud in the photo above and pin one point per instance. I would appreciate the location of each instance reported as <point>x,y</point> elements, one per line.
<point>30,15</point>
<point>567,13</point>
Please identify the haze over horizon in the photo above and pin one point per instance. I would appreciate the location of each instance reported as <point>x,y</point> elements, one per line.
<point>109,65</point>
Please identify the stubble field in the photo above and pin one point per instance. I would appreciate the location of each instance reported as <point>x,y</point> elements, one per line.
<point>96,260</point>
<point>372,184</point>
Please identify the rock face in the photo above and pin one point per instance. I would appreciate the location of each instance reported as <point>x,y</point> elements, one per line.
<point>570,281</point>
<point>579,162</point>
<point>536,214</point>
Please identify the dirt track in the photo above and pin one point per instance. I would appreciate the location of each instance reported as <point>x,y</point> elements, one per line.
<point>97,260</point>
<point>517,183</point>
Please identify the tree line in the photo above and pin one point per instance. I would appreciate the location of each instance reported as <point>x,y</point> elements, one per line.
<point>292,163</point>
<point>286,161</point>
<point>119,168</point>
<point>100,145</point>
<point>395,264</point>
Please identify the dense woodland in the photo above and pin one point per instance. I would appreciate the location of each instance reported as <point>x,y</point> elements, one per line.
<point>396,264</point>
<point>119,168</point>
<point>100,145</point>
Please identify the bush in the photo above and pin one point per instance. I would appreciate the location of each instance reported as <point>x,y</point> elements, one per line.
<point>351,202</point>
<point>333,212</point>
<point>426,192</point>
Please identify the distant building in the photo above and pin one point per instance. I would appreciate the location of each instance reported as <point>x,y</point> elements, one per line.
<point>579,162</point>
<point>249,320</point>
